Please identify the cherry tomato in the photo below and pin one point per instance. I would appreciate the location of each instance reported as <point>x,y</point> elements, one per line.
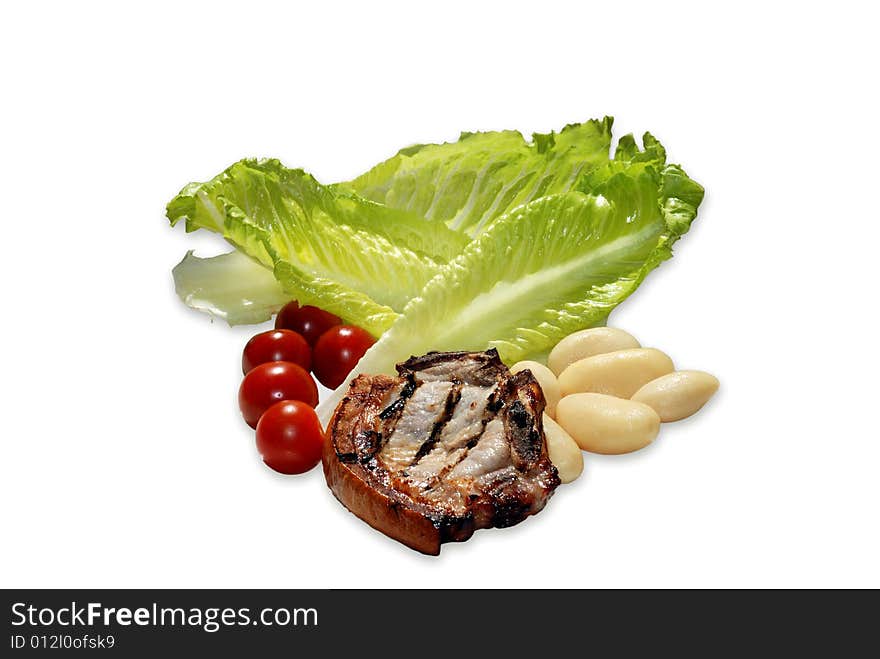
<point>337,352</point>
<point>276,346</point>
<point>289,437</point>
<point>281,318</point>
<point>310,322</point>
<point>268,383</point>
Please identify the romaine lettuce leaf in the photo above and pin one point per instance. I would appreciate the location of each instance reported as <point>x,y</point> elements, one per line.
<point>484,175</point>
<point>487,242</point>
<point>558,264</point>
<point>326,246</point>
<point>231,286</point>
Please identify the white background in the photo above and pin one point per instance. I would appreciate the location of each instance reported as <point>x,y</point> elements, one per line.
<point>125,462</point>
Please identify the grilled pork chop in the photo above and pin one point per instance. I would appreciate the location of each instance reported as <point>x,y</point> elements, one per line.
<point>454,444</point>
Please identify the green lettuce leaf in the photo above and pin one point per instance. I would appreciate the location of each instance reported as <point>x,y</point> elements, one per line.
<point>231,286</point>
<point>468,183</point>
<point>326,246</point>
<point>558,264</point>
<point>491,241</point>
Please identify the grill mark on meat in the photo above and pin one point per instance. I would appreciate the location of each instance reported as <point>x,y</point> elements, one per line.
<point>448,410</point>
<point>392,412</point>
<point>421,413</point>
<point>493,406</point>
<point>364,394</point>
<point>463,453</point>
<point>490,452</point>
<point>496,402</point>
<point>367,442</point>
<point>468,421</point>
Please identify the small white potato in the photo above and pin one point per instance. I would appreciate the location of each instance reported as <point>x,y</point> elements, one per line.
<point>564,452</point>
<point>607,424</point>
<point>546,379</point>
<point>586,343</point>
<point>620,373</point>
<point>678,395</point>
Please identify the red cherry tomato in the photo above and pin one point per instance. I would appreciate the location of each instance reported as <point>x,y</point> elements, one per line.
<point>289,437</point>
<point>310,322</point>
<point>282,316</point>
<point>271,382</point>
<point>337,352</point>
<point>276,346</point>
